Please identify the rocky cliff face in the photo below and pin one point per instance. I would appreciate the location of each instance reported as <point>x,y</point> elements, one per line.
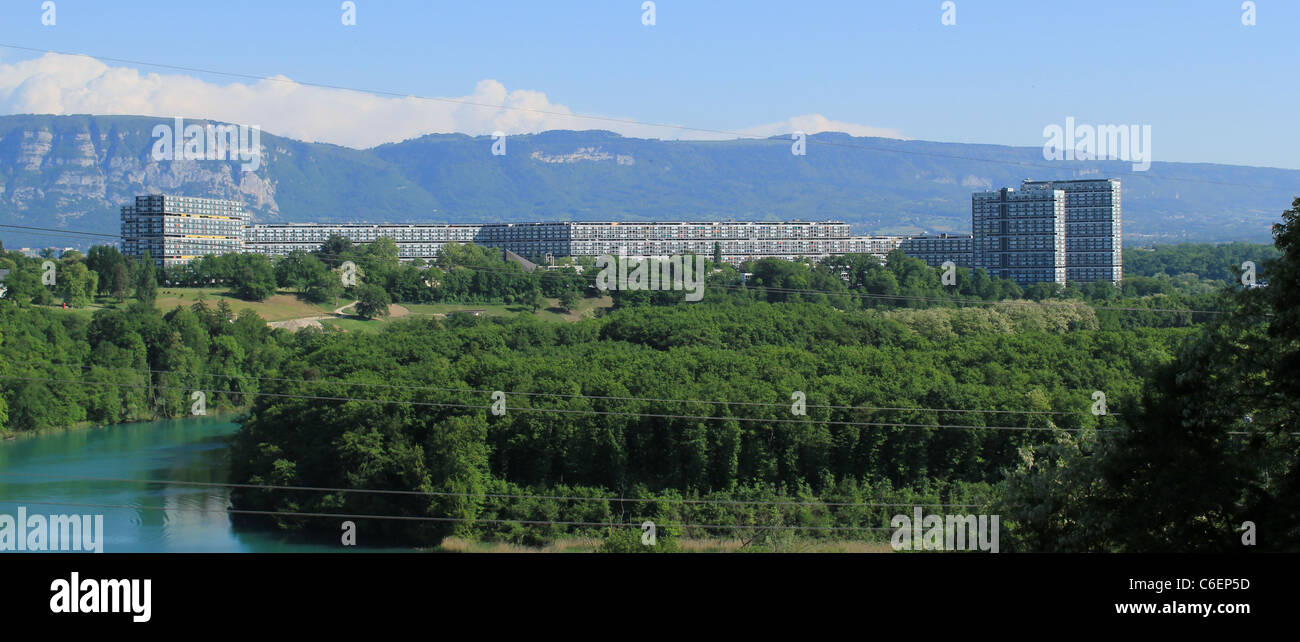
<point>76,171</point>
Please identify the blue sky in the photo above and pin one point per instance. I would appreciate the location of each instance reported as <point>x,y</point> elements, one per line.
<point>1211,89</point>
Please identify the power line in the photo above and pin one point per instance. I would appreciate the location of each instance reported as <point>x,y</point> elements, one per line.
<point>609,119</point>
<point>598,412</point>
<point>548,394</point>
<point>808,421</point>
<point>51,232</point>
<point>651,500</point>
<point>61,231</point>
<point>470,520</point>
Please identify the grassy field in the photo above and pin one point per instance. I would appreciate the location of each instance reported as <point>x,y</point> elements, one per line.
<point>586,308</point>
<point>285,306</point>
<point>279,307</point>
<point>552,312</point>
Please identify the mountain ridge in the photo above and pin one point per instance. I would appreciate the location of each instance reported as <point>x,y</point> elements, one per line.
<point>75,172</point>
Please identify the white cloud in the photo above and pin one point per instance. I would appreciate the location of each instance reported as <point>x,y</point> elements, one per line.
<point>63,84</point>
<point>816,124</point>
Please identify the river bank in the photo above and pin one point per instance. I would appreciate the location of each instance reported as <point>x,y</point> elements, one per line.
<point>15,435</point>
<point>132,474</point>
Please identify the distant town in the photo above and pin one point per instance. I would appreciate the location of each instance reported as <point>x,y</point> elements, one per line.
<point>1044,232</point>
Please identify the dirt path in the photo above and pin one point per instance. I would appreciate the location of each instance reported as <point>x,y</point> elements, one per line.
<point>293,325</point>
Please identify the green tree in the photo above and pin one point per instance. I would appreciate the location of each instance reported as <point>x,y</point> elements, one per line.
<point>75,283</point>
<point>322,285</point>
<point>146,282</point>
<point>24,283</point>
<point>335,250</point>
<point>104,260</point>
<point>254,277</point>
<point>372,301</point>
<point>120,282</point>
<point>1206,451</point>
<point>308,275</point>
<point>569,300</point>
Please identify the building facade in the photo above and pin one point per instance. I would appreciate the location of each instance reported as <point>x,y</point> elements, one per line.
<point>877,246</point>
<point>738,241</point>
<point>1048,231</point>
<point>413,241</point>
<point>1093,243</point>
<point>1020,235</point>
<point>175,229</point>
<point>936,250</point>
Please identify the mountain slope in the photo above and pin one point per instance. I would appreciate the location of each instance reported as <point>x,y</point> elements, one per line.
<point>76,171</point>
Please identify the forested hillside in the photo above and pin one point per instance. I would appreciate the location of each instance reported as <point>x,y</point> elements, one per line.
<point>829,390</point>
<point>1221,262</point>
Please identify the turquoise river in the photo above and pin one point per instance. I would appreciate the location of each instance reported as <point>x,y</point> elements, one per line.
<point>124,472</point>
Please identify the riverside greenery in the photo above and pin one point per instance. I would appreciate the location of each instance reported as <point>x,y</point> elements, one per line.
<point>590,417</point>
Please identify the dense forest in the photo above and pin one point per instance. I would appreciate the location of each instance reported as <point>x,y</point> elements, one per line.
<point>825,389</point>
<point>1221,262</point>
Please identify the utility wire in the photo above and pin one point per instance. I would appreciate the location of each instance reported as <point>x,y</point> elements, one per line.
<point>544,394</point>
<point>469,520</point>
<point>60,231</point>
<point>805,420</point>
<point>651,500</point>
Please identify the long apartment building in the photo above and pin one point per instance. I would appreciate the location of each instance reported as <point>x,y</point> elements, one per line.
<point>737,241</point>
<point>939,249</point>
<point>1020,235</point>
<point>176,229</point>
